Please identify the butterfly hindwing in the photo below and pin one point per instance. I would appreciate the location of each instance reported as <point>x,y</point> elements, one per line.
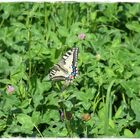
<point>57,73</point>
<point>66,69</point>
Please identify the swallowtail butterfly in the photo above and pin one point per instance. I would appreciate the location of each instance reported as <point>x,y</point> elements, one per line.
<point>66,69</point>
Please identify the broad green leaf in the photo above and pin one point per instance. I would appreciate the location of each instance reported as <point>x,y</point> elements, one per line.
<point>25,103</point>
<point>50,115</point>
<point>128,133</point>
<point>4,65</point>
<point>135,105</point>
<point>9,102</point>
<point>63,31</point>
<point>134,26</point>
<point>25,121</point>
<point>86,105</point>
<point>36,117</point>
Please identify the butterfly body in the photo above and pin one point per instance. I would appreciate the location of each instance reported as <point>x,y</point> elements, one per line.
<point>66,69</point>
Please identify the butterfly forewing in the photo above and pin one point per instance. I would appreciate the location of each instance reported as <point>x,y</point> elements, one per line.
<point>68,59</point>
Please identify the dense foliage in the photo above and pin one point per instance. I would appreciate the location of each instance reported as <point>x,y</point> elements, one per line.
<point>102,101</point>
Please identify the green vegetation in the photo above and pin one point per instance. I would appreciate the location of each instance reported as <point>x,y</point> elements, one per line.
<point>103,101</point>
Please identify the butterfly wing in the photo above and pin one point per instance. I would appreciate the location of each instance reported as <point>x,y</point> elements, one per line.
<point>56,73</point>
<point>71,63</point>
<point>66,66</point>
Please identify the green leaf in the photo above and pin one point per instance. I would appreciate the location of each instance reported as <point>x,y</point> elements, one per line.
<point>2,125</point>
<point>137,133</point>
<point>86,105</point>
<point>25,103</point>
<point>131,86</point>
<point>16,59</point>
<point>63,31</point>
<point>128,133</point>
<point>68,104</point>
<point>82,96</point>
<point>4,65</point>
<point>135,105</point>
<point>52,99</point>
<point>134,26</point>
<point>93,15</point>
<point>9,102</point>
<point>118,113</point>
<point>111,123</point>
<point>51,115</point>
<point>36,117</point>
<point>25,121</point>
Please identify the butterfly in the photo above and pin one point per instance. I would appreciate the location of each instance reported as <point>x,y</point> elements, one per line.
<point>66,69</point>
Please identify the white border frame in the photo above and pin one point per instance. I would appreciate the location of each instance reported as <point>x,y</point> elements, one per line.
<point>107,1</point>
<point>41,1</point>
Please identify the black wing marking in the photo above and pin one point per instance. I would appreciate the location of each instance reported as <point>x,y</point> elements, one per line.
<point>75,57</point>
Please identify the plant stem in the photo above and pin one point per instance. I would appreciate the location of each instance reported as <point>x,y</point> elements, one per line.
<point>108,100</point>
<point>67,123</point>
<point>29,47</point>
<point>85,133</point>
<point>38,131</point>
